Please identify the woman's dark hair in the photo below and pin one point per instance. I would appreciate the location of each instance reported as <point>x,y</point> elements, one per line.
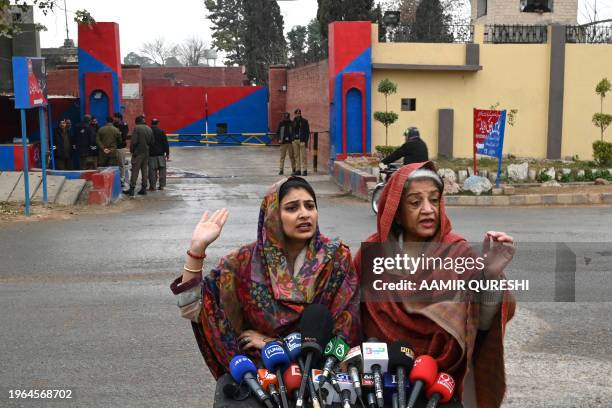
<point>295,182</point>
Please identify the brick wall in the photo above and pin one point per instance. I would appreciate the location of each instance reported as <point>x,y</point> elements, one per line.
<point>133,107</point>
<point>277,83</point>
<point>308,89</point>
<point>197,76</point>
<point>63,82</point>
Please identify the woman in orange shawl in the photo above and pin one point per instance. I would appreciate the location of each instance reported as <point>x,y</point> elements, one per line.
<point>462,335</point>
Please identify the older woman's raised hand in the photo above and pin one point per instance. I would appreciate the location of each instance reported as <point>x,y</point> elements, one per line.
<point>208,230</point>
<point>498,249</point>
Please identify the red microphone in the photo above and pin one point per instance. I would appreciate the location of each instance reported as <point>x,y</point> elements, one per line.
<point>269,383</point>
<point>423,374</point>
<point>440,391</point>
<point>293,379</point>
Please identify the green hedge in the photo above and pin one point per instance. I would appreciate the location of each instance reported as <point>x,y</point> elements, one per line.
<point>602,153</point>
<point>386,150</point>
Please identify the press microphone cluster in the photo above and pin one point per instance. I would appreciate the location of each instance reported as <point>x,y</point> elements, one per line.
<point>314,368</point>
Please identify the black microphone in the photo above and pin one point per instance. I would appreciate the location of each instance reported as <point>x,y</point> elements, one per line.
<point>316,326</point>
<point>376,361</point>
<point>243,369</point>
<point>401,360</point>
<point>293,344</point>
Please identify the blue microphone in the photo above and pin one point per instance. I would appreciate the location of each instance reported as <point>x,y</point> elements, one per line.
<point>242,369</point>
<point>276,359</point>
<point>390,387</point>
<point>293,344</point>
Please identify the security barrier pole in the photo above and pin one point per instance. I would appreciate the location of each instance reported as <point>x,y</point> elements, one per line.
<point>26,175</point>
<point>315,151</point>
<point>43,152</point>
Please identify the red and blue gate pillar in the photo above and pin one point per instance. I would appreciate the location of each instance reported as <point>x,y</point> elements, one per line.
<point>350,84</point>
<point>100,81</point>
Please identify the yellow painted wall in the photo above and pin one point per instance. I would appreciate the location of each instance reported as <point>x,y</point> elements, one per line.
<point>516,76</point>
<point>585,66</point>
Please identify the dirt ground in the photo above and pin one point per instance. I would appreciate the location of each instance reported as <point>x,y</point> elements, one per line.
<point>10,213</point>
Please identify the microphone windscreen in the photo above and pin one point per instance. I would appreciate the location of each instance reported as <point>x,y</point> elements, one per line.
<point>266,378</point>
<point>274,356</point>
<point>317,326</point>
<point>425,369</point>
<point>239,366</point>
<point>400,355</point>
<point>444,385</point>
<point>292,378</point>
<point>293,344</point>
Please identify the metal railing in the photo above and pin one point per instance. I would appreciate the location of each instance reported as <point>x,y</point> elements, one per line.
<point>238,139</point>
<point>516,34</point>
<point>433,33</point>
<point>598,33</point>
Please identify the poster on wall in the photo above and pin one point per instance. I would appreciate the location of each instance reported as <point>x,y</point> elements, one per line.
<point>29,82</point>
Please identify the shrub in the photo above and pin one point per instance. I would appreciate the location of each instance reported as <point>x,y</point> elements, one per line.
<point>543,177</point>
<point>385,150</point>
<point>602,153</point>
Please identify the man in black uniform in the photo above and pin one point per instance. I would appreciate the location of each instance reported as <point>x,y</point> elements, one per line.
<point>414,150</point>
<point>159,152</point>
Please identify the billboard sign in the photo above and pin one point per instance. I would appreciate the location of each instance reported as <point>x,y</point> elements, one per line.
<point>30,82</point>
<point>489,127</point>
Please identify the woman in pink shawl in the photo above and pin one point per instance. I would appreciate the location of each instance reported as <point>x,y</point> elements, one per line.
<point>258,292</point>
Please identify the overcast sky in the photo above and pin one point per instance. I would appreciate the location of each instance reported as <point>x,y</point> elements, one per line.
<point>141,21</point>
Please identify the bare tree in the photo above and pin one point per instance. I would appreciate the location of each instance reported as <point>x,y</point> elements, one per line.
<point>192,51</point>
<point>158,51</point>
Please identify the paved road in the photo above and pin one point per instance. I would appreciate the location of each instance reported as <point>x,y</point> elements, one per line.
<point>86,306</point>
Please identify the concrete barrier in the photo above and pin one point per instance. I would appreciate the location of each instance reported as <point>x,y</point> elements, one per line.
<point>351,179</point>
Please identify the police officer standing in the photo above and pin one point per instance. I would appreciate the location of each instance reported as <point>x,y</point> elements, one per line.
<point>142,138</point>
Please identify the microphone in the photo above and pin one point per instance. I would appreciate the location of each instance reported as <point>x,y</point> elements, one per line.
<point>343,384</point>
<point>316,326</point>
<point>391,385</point>
<point>423,373</point>
<point>293,344</point>
<point>395,401</point>
<point>376,361</point>
<point>276,359</point>
<point>292,379</point>
<point>335,351</point>
<point>348,396</point>
<point>401,360</point>
<point>242,369</point>
<point>372,401</point>
<point>440,391</point>
<point>367,384</point>
<point>269,383</point>
<point>351,364</point>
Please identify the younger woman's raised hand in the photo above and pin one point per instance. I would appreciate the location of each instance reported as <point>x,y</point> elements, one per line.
<point>208,229</point>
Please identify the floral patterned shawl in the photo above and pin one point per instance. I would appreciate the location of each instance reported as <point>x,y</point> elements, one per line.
<point>253,288</point>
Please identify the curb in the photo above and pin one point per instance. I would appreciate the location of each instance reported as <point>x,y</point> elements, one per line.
<point>356,183</point>
<point>529,199</point>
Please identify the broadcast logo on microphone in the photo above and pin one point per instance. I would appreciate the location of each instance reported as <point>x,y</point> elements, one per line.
<point>273,350</point>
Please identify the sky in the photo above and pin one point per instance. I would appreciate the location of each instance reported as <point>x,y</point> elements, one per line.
<point>141,21</point>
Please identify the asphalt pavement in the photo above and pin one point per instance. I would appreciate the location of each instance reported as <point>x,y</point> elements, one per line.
<point>86,306</point>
